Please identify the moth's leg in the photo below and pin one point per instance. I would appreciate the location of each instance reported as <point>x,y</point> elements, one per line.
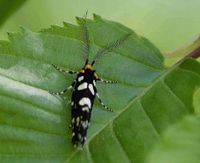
<point>64,91</point>
<point>61,92</point>
<point>106,81</point>
<point>64,71</point>
<point>101,102</point>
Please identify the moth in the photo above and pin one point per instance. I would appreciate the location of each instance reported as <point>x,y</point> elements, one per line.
<point>84,90</point>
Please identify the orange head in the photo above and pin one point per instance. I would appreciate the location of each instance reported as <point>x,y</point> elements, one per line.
<point>88,68</point>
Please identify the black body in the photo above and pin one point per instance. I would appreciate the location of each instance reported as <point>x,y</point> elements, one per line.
<point>82,102</point>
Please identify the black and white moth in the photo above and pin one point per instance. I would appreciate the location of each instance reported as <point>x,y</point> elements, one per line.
<point>84,88</point>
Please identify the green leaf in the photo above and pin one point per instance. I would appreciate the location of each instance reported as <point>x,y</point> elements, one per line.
<point>179,144</point>
<point>8,7</point>
<point>146,100</point>
<point>196,101</point>
<point>167,24</point>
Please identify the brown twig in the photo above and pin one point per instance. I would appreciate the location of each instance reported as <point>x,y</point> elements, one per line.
<point>195,53</point>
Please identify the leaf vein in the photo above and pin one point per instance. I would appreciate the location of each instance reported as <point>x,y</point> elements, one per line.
<point>119,143</point>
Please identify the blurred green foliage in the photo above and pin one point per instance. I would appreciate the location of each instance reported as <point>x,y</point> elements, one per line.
<point>179,144</point>
<point>8,7</point>
<point>168,24</point>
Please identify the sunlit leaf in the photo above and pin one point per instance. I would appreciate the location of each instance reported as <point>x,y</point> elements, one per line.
<point>8,7</point>
<point>34,124</point>
<point>179,144</point>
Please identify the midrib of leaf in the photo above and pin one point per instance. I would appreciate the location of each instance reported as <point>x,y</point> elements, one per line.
<point>138,98</point>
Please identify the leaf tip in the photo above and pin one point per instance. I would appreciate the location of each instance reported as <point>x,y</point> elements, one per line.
<point>78,19</point>
<point>10,35</point>
<point>24,29</point>
<point>65,23</point>
<point>96,17</point>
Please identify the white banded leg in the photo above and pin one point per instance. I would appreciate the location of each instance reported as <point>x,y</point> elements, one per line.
<point>61,92</point>
<point>65,71</point>
<point>106,81</point>
<point>64,91</point>
<point>104,106</point>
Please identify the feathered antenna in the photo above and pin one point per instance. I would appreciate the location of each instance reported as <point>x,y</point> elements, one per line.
<point>110,47</point>
<point>85,36</point>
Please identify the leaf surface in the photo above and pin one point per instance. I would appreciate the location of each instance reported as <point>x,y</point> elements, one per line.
<point>179,144</point>
<point>146,99</point>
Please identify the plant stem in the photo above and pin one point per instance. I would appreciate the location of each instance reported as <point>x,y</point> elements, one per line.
<point>195,53</point>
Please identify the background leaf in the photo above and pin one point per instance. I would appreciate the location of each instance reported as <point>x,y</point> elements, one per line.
<point>146,100</point>
<point>172,58</point>
<point>196,102</point>
<point>9,7</point>
<point>179,144</point>
<point>170,25</point>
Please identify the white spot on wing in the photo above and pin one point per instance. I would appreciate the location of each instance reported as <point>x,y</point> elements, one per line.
<point>79,136</point>
<point>77,121</point>
<point>80,78</point>
<point>85,109</point>
<point>85,101</point>
<point>73,120</point>
<point>91,88</point>
<point>94,82</point>
<point>84,124</point>
<point>72,103</point>
<point>82,86</point>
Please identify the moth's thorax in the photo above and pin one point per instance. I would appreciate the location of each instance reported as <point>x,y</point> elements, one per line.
<point>88,72</point>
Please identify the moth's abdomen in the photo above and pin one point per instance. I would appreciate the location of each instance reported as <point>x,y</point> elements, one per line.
<point>82,101</point>
<point>80,123</point>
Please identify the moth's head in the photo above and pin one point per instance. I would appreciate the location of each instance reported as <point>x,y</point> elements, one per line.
<point>89,70</point>
<point>88,67</point>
